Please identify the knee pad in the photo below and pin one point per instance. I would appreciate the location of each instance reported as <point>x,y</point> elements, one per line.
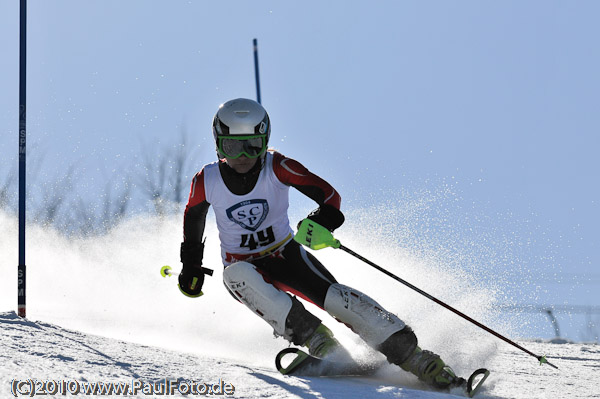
<point>249,286</point>
<point>362,314</point>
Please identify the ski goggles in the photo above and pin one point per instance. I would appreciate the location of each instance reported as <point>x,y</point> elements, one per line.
<point>234,147</point>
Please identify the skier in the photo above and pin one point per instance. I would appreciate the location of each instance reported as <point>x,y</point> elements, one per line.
<point>248,188</point>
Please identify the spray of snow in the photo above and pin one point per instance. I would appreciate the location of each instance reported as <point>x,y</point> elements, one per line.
<point>110,285</point>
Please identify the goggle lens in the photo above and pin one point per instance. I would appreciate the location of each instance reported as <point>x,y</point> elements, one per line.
<point>235,147</point>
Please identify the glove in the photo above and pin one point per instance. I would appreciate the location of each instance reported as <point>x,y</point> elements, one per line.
<point>327,216</point>
<point>315,236</point>
<point>191,277</point>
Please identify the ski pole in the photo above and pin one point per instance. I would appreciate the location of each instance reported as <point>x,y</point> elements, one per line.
<point>168,271</point>
<point>542,359</point>
<point>317,237</point>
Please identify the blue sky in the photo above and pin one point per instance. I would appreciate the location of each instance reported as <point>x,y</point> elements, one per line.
<point>493,102</point>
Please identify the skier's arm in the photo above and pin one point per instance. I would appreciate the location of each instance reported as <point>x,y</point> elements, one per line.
<point>191,277</point>
<point>294,174</point>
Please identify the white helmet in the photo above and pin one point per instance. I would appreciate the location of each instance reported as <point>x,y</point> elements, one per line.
<point>241,127</point>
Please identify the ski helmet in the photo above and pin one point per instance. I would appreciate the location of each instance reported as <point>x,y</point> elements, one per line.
<point>241,127</point>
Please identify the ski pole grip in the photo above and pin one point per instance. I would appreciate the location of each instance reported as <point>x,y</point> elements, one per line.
<point>315,236</point>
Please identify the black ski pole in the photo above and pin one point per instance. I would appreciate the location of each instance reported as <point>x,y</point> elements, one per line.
<point>541,359</point>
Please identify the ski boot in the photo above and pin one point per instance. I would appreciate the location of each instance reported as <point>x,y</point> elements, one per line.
<point>429,368</point>
<point>322,344</point>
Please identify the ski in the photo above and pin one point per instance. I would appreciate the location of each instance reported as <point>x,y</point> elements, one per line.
<point>476,380</point>
<point>303,364</point>
<point>310,366</point>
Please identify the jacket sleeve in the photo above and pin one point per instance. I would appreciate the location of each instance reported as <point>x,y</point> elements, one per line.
<point>194,218</point>
<point>294,174</point>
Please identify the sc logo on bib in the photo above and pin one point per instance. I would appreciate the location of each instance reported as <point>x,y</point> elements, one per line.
<point>249,214</point>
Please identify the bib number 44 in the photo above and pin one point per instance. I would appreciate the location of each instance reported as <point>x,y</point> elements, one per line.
<point>258,239</point>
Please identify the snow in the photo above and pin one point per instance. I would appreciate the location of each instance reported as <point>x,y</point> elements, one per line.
<point>99,311</point>
<point>44,351</point>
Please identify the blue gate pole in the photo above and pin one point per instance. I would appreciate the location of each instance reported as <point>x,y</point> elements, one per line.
<point>22,155</point>
<point>255,42</point>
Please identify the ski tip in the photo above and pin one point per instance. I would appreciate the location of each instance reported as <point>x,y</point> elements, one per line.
<point>476,380</point>
<point>298,359</point>
<point>165,271</point>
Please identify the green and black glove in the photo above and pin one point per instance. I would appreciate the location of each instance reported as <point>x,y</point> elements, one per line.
<point>192,274</point>
<point>327,216</point>
<point>315,231</point>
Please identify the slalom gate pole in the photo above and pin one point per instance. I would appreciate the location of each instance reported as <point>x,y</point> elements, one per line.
<point>541,359</point>
<point>22,155</point>
<point>256,74</point>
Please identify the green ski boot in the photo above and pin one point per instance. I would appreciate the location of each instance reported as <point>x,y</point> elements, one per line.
<point>429,368</point>
<point>322,344</point>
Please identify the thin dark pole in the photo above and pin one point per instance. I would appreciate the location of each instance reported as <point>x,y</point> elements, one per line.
<point>256,74</point>
<point>21,274</point>
<point>542,359</point>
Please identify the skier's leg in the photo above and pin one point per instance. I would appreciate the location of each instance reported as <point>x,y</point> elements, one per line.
<point>388,334</point>
<point>368,319</point>
<point>298,272</point>
<point>284,313</point>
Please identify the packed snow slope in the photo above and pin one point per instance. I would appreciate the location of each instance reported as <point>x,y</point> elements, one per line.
<point>99,311</point>
<point>46,352</point>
